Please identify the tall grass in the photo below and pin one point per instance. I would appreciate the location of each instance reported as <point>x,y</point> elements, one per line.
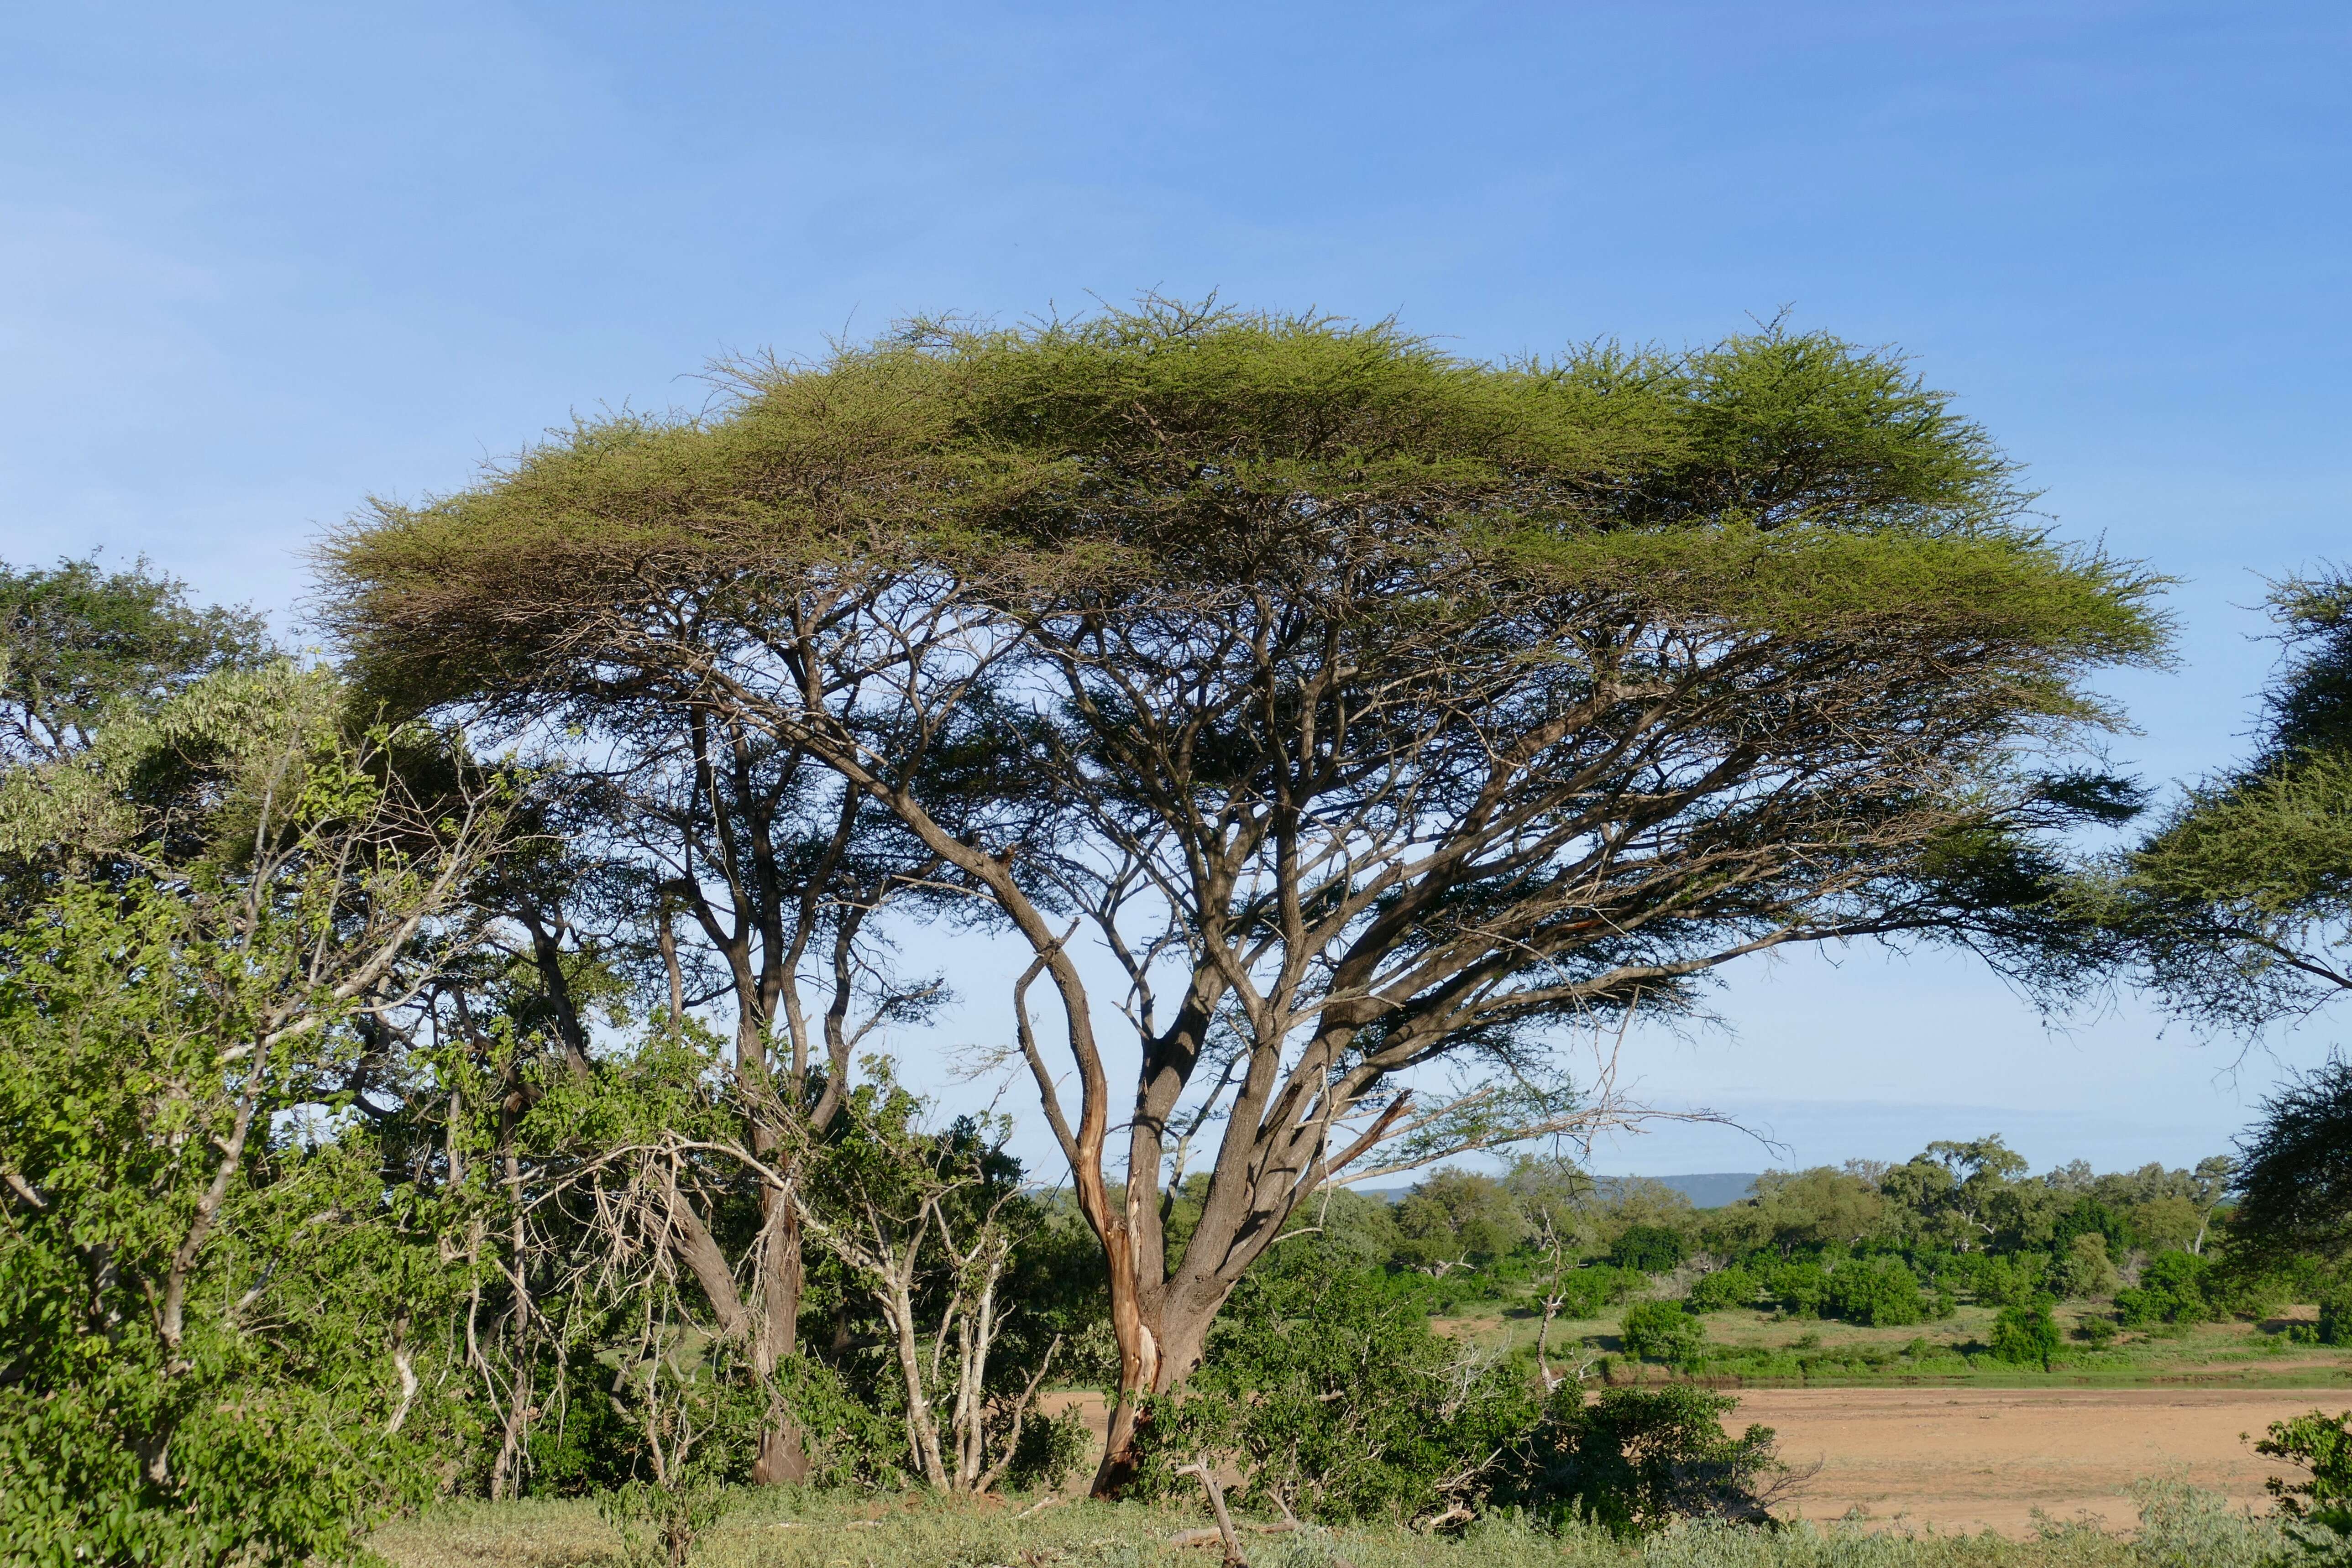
<point>2180,1527</point>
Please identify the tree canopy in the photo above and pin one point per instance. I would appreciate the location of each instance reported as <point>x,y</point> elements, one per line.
<point>1372,707</point>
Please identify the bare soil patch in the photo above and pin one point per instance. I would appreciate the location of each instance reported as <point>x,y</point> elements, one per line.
<point>1975,1459</point>
<point>1970,1458</point>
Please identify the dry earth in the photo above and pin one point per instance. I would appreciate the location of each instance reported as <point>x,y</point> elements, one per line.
<point>1970,1458</point>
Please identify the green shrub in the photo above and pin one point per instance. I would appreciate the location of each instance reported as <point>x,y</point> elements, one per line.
<point>1652,1248</point>
<point>2025,1332</point>
<point>1635,1460</point>
<point>2336,1317</point>
<point>1050,1451</point>
<point>1326,1389</point>
<point>2013,1281</point>
<point>2085,1271</point>
<point>1724,1288</point>
<point>2171,1289</point>
<point>2317,1511</point>
<point>2096,1332</point>
<point>1585,1291</point>
<point>1878,1291</point>
<point>1799,1288</point>
<point>1662,1331</point>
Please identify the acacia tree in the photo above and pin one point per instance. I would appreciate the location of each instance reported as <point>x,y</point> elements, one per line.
<point>1372,708</point>
<point>2237,907</point>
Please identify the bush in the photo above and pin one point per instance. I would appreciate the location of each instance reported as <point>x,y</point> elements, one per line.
<point>2013,1281</point>
<point>2025,1332</point>
<point>1584,1291</point>
<point>1662,1331</point>
<point>2321,1443</point>
<point>2171,1289</point>
<point>1636,1459</point>
<point>2085,1271</point>
<point>2098,1332</point>
<point>1878,1291</point>
<point>1652,1248</point>
<point>2336,1317</point>
<point>1731,1286</point>
<point>1325,1388</point>
<point>1050,1451</point>
<point>1797,1288</point>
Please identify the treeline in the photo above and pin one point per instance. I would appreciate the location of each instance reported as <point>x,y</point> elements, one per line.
<point>462,1066</point>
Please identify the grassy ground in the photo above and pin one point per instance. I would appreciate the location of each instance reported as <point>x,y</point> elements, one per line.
<point>1764,1349</point>
<point>779,1529</point>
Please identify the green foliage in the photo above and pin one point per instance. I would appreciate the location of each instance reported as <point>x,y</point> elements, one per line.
<point>1799,1286</point>
<point>2237,907</point>
<point>1332,1397</point>
<point>2322,1444</point>
<point>2295,1186</point>
<point>1050,1450</point>
<point>2335,1316</point>
<point>1661,1331</point>
<point>1452,1217</point>
<point>75,641</point>
<point>198,1306</point>
<point>1583,1292</point>
<point>1804,1211</point>
<point>2171,1289</point>
<point>660,1522</point>
<point>2025,1334</point>
<point>1880,1292</point>
<point>1719,1289</point>
<point>1651,1248</point>
<point>1637,1461</point>
<point>2013,1281</point>
<point>2085,1271</point>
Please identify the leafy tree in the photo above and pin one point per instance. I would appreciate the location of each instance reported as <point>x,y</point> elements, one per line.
<point>1453,1218</point>
<point>1652,1248</point>
<point>2086,1270</point>
<point>1374,707</point>
<point>928,1224</point>
<point>2322,1443</point>
<point>76,640</point>
<point>1661,1331</point>
<point>1721,1288</point>
<point>216,1347</point>
<point>1799,1287</point>
<point>2336,1317</point>
<point>1878,1291</point>
<point>2025,1332</point>
<point>1801,1210</point>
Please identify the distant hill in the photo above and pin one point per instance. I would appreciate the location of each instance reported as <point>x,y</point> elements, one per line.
<point>1711,1189</point>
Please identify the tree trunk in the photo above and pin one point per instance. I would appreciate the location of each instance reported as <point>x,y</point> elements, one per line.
<point>784,1456</point>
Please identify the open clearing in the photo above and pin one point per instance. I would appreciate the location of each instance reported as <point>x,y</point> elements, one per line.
<point>1972,1457</point>
<point>1964,1458</point>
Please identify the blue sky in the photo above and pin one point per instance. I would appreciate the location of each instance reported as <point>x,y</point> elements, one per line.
<point>257,262</point>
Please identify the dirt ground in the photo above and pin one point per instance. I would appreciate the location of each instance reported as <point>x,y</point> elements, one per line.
<point>1968,1458</point>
